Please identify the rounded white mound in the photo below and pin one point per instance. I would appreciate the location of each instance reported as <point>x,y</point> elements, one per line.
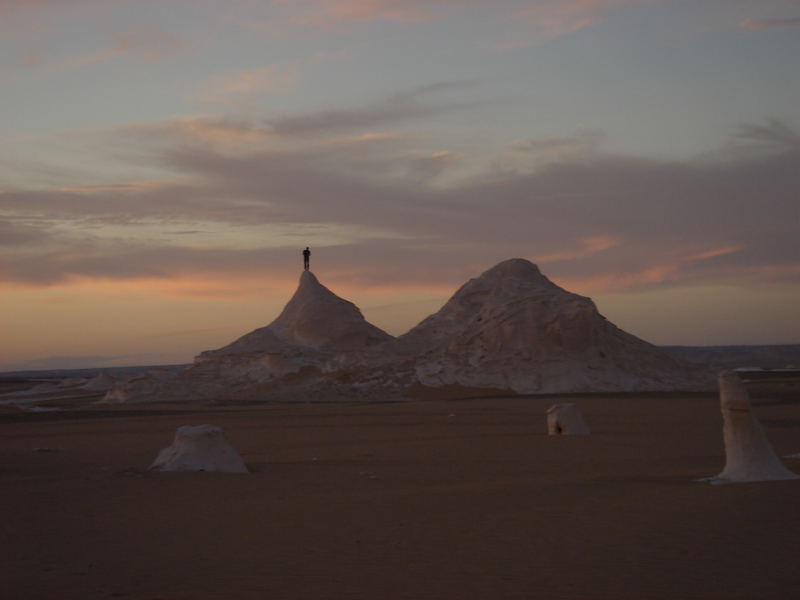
<point>514,329</point>
<point>749,456</point>
<point>102,382</point>
<point>200,448</point>
<point>566,419</point>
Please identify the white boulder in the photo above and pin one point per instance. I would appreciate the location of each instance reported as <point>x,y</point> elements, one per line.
<point>199,448</point>
<point>748,453</point>
<point>566,419</point>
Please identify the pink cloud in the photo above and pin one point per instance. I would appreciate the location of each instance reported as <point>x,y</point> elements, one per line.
<point>716,252</point>
<point>616,282</point>
<point>149,44</point>
<point>331,12</point>
<point>553,18</point>
<point>760,24</point>
<point>8,7</point>
<point>590,245</point>
<point>233,88</point>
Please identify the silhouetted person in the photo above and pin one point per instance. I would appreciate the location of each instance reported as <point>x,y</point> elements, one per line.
<point>306,258</point>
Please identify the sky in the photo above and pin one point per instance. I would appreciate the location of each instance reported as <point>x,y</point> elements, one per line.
<point>164,162</point>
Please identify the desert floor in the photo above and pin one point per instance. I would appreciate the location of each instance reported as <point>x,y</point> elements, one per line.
<point>432,498</point>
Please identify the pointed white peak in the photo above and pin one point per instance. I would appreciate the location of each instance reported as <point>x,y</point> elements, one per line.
<point>315,318</point>
<point>513,277</point>
<point>513,289</point>
<point>518,268</point>
<point>512,328</point>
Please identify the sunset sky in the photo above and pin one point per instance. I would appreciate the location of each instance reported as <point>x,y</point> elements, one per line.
<point>164,162</point>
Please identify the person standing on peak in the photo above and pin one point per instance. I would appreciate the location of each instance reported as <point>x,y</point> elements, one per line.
<point>306,258</point>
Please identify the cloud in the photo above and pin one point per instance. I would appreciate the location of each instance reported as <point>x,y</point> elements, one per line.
<point>9,6</point>
<point>198,129</point>
<point>533,21</point>
<point>772,135</point>
<point>523,154</point>
<point>328,13</point>
<point>761,24</point>
<point>548,19</point>
<point>398,107</point>
<point>589,246</point>
<point>243,85</point>
<point>425,167</point>
<point>713,253</point>
<point>146,43</point>
<point>14,233</point>
<point>754,140</point>
<point>596,221</point>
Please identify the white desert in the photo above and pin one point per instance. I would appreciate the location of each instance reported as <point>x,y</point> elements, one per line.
<point>417,467</point>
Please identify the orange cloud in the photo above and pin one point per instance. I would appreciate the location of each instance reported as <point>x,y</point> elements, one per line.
<point>367,10</point>
<point>330,12</point>
<point>591,245</point>
<point>206,130</point>
<point>616,282</point>
<point>146,43</point>
<point>716,252</point>
<point>242,84</point>
<point>118,187</point>
<point>761,24</point>
<point>553,18</point>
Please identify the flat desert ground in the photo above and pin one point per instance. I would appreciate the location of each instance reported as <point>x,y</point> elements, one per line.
<point>434,498</point>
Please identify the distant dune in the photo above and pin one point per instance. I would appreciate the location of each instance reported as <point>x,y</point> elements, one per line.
<point>738,357</point>
<point>777,356</point>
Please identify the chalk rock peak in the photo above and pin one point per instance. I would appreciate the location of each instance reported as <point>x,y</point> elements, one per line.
<point>513,277</point>
<point>314,318</point>
<point>511,293</point>
<point>514,329</point>
<point>519,268</point>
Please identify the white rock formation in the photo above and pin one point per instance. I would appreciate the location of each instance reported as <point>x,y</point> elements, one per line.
<point>154,385</point>
<point>315,332</point>
<point>510,329</point>
<point>513,329</point>
<point>748,453</point>
<point>200,448</point>
<point>565,418</point>
<point>72,382</point>
<point>314,318</point>
<point>100,383</point>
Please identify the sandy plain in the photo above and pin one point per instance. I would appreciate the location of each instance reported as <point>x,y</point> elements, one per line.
<point>430,499</point>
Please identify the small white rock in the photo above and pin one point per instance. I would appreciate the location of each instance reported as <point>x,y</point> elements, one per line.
<point>200,448</point>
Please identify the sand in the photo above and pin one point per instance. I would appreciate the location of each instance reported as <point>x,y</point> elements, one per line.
<point>433,498</point>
